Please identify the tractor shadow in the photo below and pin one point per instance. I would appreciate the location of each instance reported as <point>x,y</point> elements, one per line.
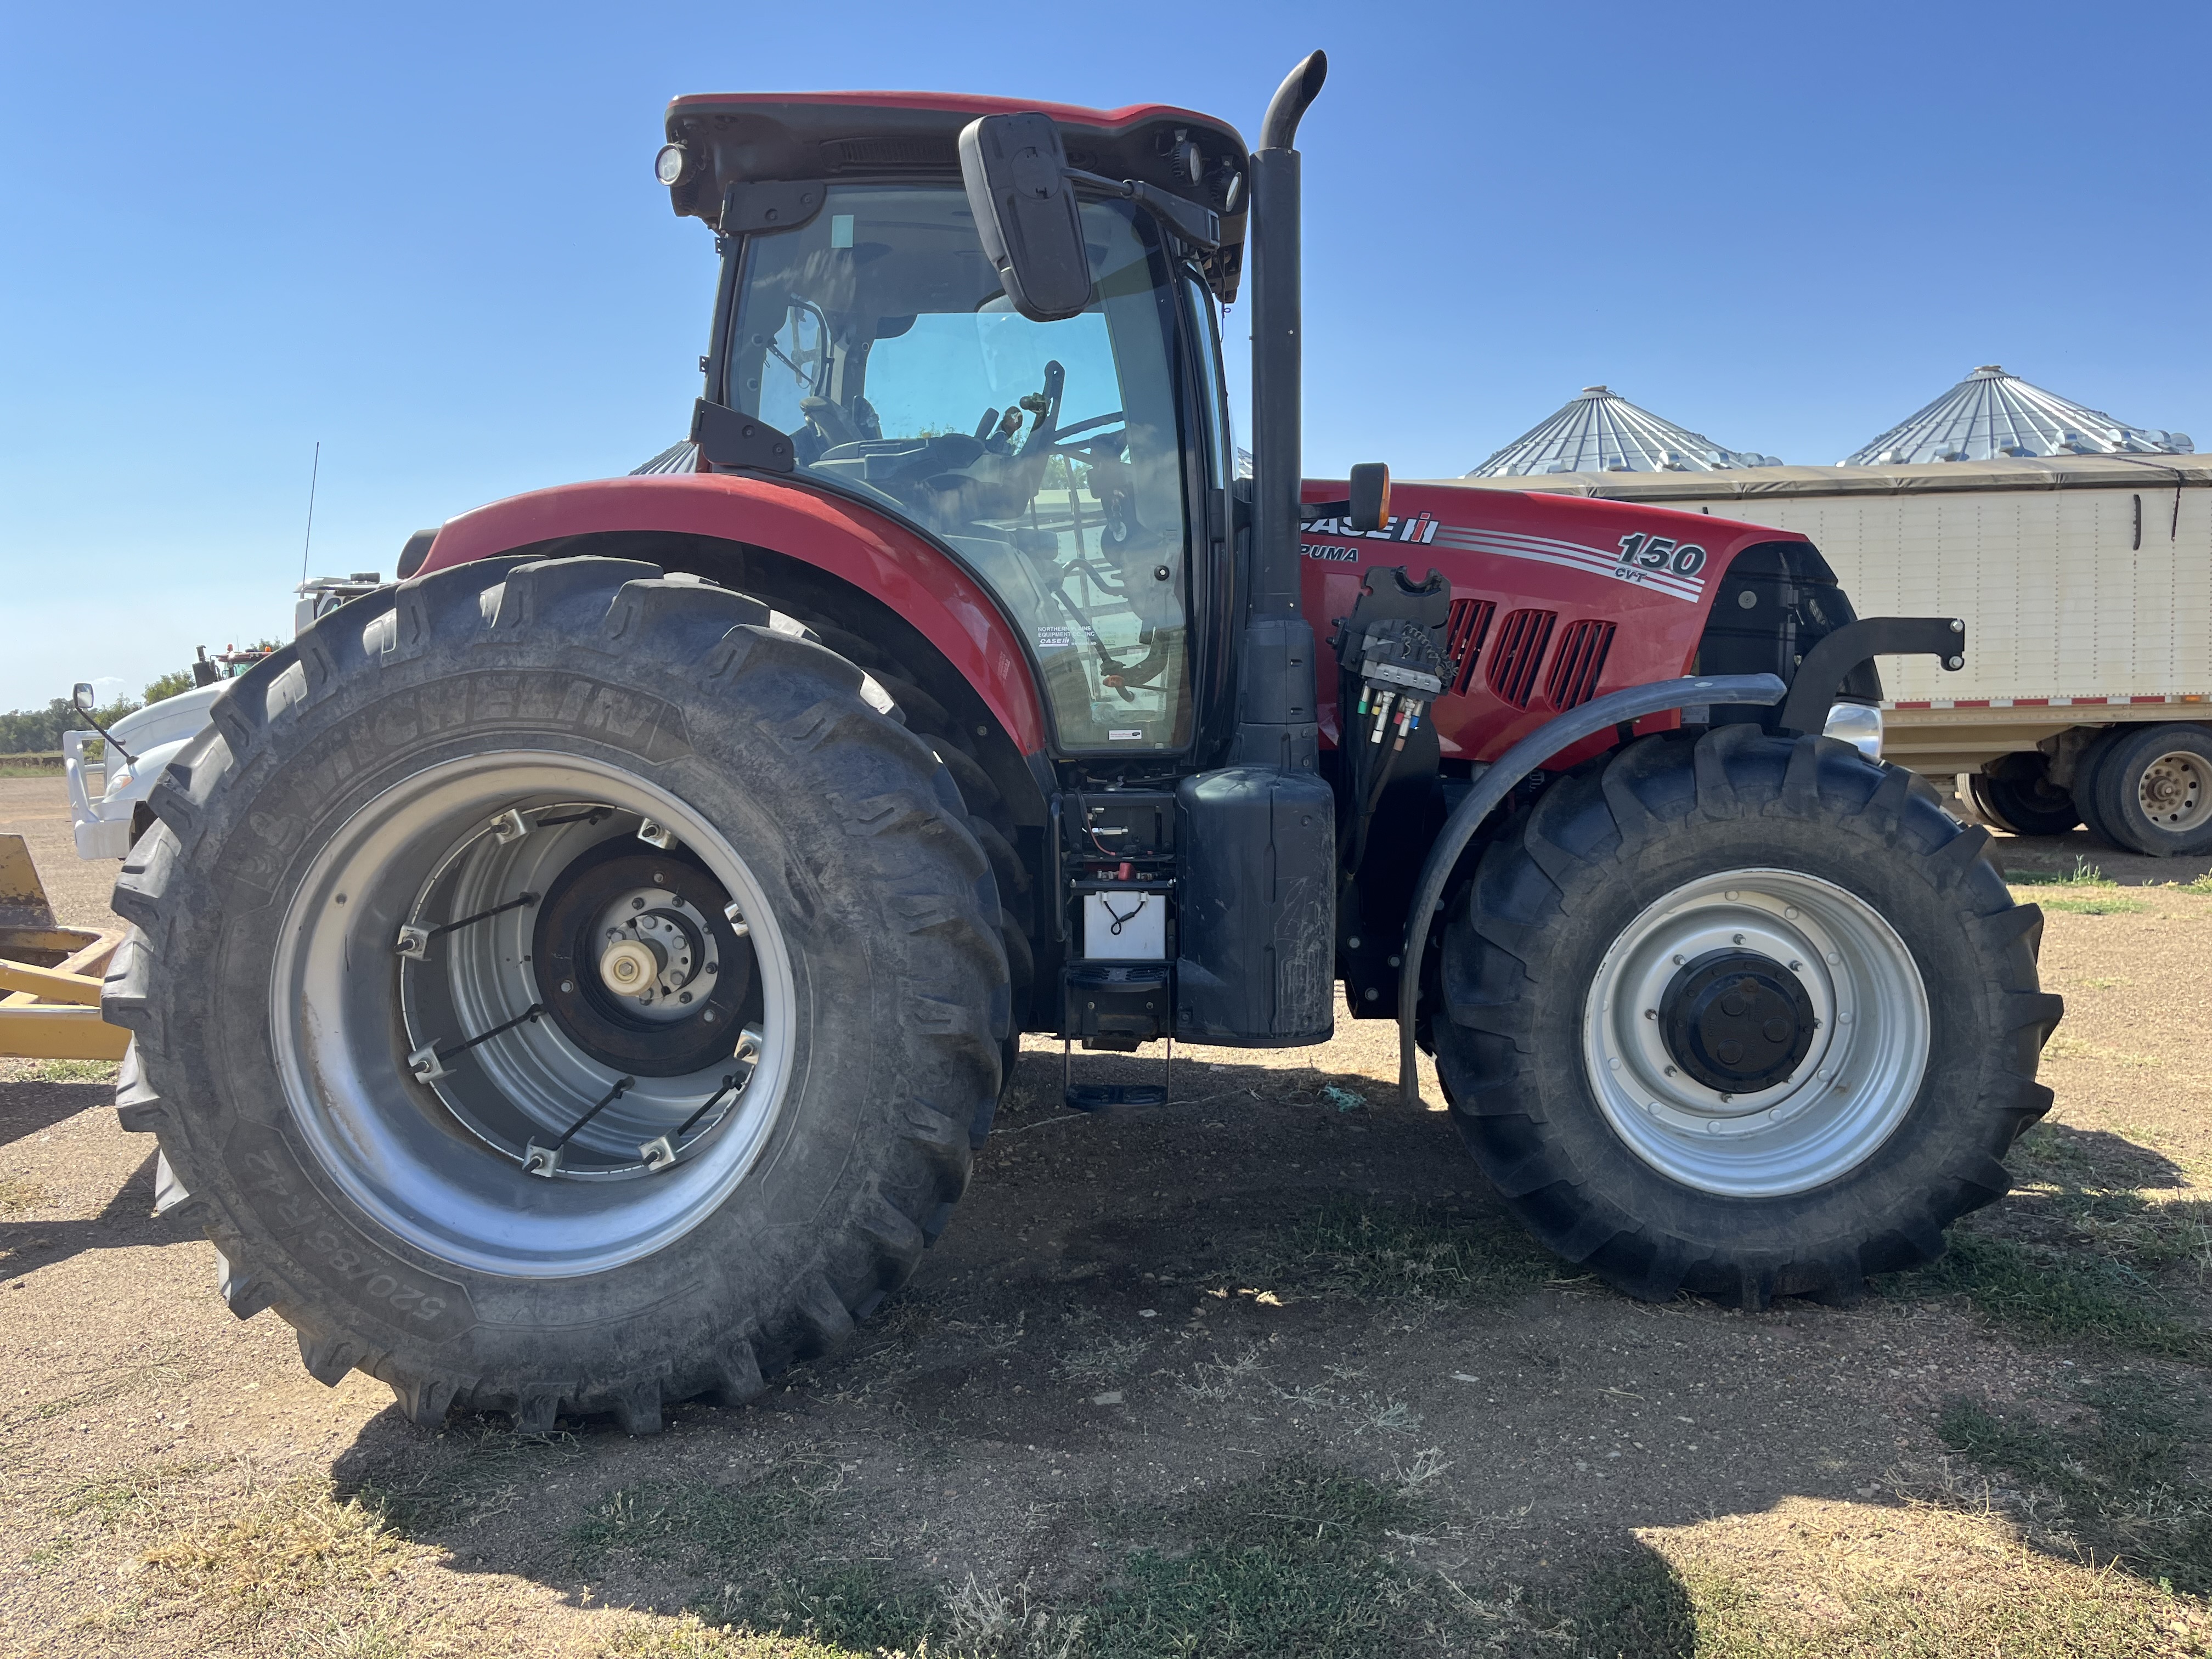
<point>1285,1268</point>
<point>125,1221</point>
<point>33,1177</point>
<point>30,1106</point>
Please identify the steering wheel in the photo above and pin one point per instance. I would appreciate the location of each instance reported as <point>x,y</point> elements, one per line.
<point>1060,447</point>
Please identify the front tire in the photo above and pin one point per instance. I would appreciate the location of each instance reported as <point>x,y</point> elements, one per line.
<point>484,1166</point>
<point>1743,1016</point>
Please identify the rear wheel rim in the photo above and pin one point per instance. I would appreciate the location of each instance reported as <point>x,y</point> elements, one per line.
<point>2174,792</point>
<point>445,1145</point>
<point>1855,1084</point>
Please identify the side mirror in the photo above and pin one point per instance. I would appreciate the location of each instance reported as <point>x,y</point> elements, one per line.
<point>83,697</point>
<point>1016,171</point>
<point>1371,496</point>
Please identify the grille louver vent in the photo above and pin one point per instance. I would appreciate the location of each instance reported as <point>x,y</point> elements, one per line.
<point>1469,625</point>
<point>1578,663</point>
<point>1519,652</point>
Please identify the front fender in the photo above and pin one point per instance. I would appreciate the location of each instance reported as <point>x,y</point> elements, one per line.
<point>1559,735</point>
<point>874,552</point>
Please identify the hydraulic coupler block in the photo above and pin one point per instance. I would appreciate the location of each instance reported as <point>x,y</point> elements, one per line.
<point>1390,652</point>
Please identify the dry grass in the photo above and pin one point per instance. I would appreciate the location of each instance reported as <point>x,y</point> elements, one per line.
<point>2112,905</point>
<point>1419,1252</point>
<point>2063,1047</point>
<point>1828,1580</point>
<point>60,1071</point>
<point>19,1194</point>
<point>232,1548</point>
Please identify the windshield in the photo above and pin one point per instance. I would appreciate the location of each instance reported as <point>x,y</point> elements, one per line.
<point>1047,455</point>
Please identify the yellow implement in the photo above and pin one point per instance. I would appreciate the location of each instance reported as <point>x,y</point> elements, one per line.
<point>49,974</point>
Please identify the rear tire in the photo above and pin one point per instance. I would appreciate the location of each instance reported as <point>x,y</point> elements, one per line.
<point>611,1286</point>
<point>989,819</point>
<point>2151,790</point>
<point>1930,1022</point>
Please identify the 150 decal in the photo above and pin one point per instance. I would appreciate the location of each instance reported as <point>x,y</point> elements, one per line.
<point>1641,551</point>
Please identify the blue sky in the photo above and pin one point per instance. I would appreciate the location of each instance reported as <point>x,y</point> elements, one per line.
<point>428,236</point>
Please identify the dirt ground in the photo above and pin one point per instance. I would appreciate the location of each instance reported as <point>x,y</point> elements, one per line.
<point>1266,1371</point>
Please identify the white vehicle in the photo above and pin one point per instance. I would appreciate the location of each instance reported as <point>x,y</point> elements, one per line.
<point>2086,583</point>
<point>140,745</point>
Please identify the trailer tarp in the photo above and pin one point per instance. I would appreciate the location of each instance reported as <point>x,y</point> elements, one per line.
<point>1750,484</point>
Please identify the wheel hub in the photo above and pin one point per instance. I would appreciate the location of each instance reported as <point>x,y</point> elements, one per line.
<point>639,965</point>
<point>1737,1020</point>
<point>2175,792</point>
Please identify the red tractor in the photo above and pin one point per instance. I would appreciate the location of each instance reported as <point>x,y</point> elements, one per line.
<point>574,979</point>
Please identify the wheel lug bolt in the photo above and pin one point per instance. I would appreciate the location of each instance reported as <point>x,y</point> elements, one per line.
<point>686,997</point>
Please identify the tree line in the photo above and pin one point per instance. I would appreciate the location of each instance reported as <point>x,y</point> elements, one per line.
<point>38,731</point>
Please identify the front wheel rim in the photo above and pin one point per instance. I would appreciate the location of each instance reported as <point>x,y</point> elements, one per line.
<point>457,1147</point>
<point>1861,1064</point>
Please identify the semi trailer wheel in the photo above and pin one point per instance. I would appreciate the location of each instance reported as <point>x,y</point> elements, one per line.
<point>2150,789</point>
<point>555,989</point>
<point>2027,805</point>
<point>1746,1017</point>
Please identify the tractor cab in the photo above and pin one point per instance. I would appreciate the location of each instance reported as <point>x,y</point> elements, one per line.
<point>1077,467</point>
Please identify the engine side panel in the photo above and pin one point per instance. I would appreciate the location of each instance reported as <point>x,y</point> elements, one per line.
<point>869,549</point>
<point>1584,597</point>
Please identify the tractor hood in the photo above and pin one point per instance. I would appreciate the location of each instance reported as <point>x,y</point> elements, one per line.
<point>730,138</point>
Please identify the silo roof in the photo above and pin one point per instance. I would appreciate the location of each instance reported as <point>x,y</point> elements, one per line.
<point>1600,431</point>
<point>1994,415</point>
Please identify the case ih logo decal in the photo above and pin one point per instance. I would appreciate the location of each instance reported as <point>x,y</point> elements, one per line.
<point>1421,528</point>
<point>1649,561</point>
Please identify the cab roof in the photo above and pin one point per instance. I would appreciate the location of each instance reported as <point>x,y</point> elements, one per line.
<point>878,136</point>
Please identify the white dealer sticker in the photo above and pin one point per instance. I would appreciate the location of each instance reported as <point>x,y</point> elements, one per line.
<point>1048,638</point>
<point>1125,736</point>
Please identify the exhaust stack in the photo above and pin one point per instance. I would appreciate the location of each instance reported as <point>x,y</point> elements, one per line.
<point>1275,690</point>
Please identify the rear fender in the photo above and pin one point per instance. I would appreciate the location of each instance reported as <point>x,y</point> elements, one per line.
<point>868,551</point>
